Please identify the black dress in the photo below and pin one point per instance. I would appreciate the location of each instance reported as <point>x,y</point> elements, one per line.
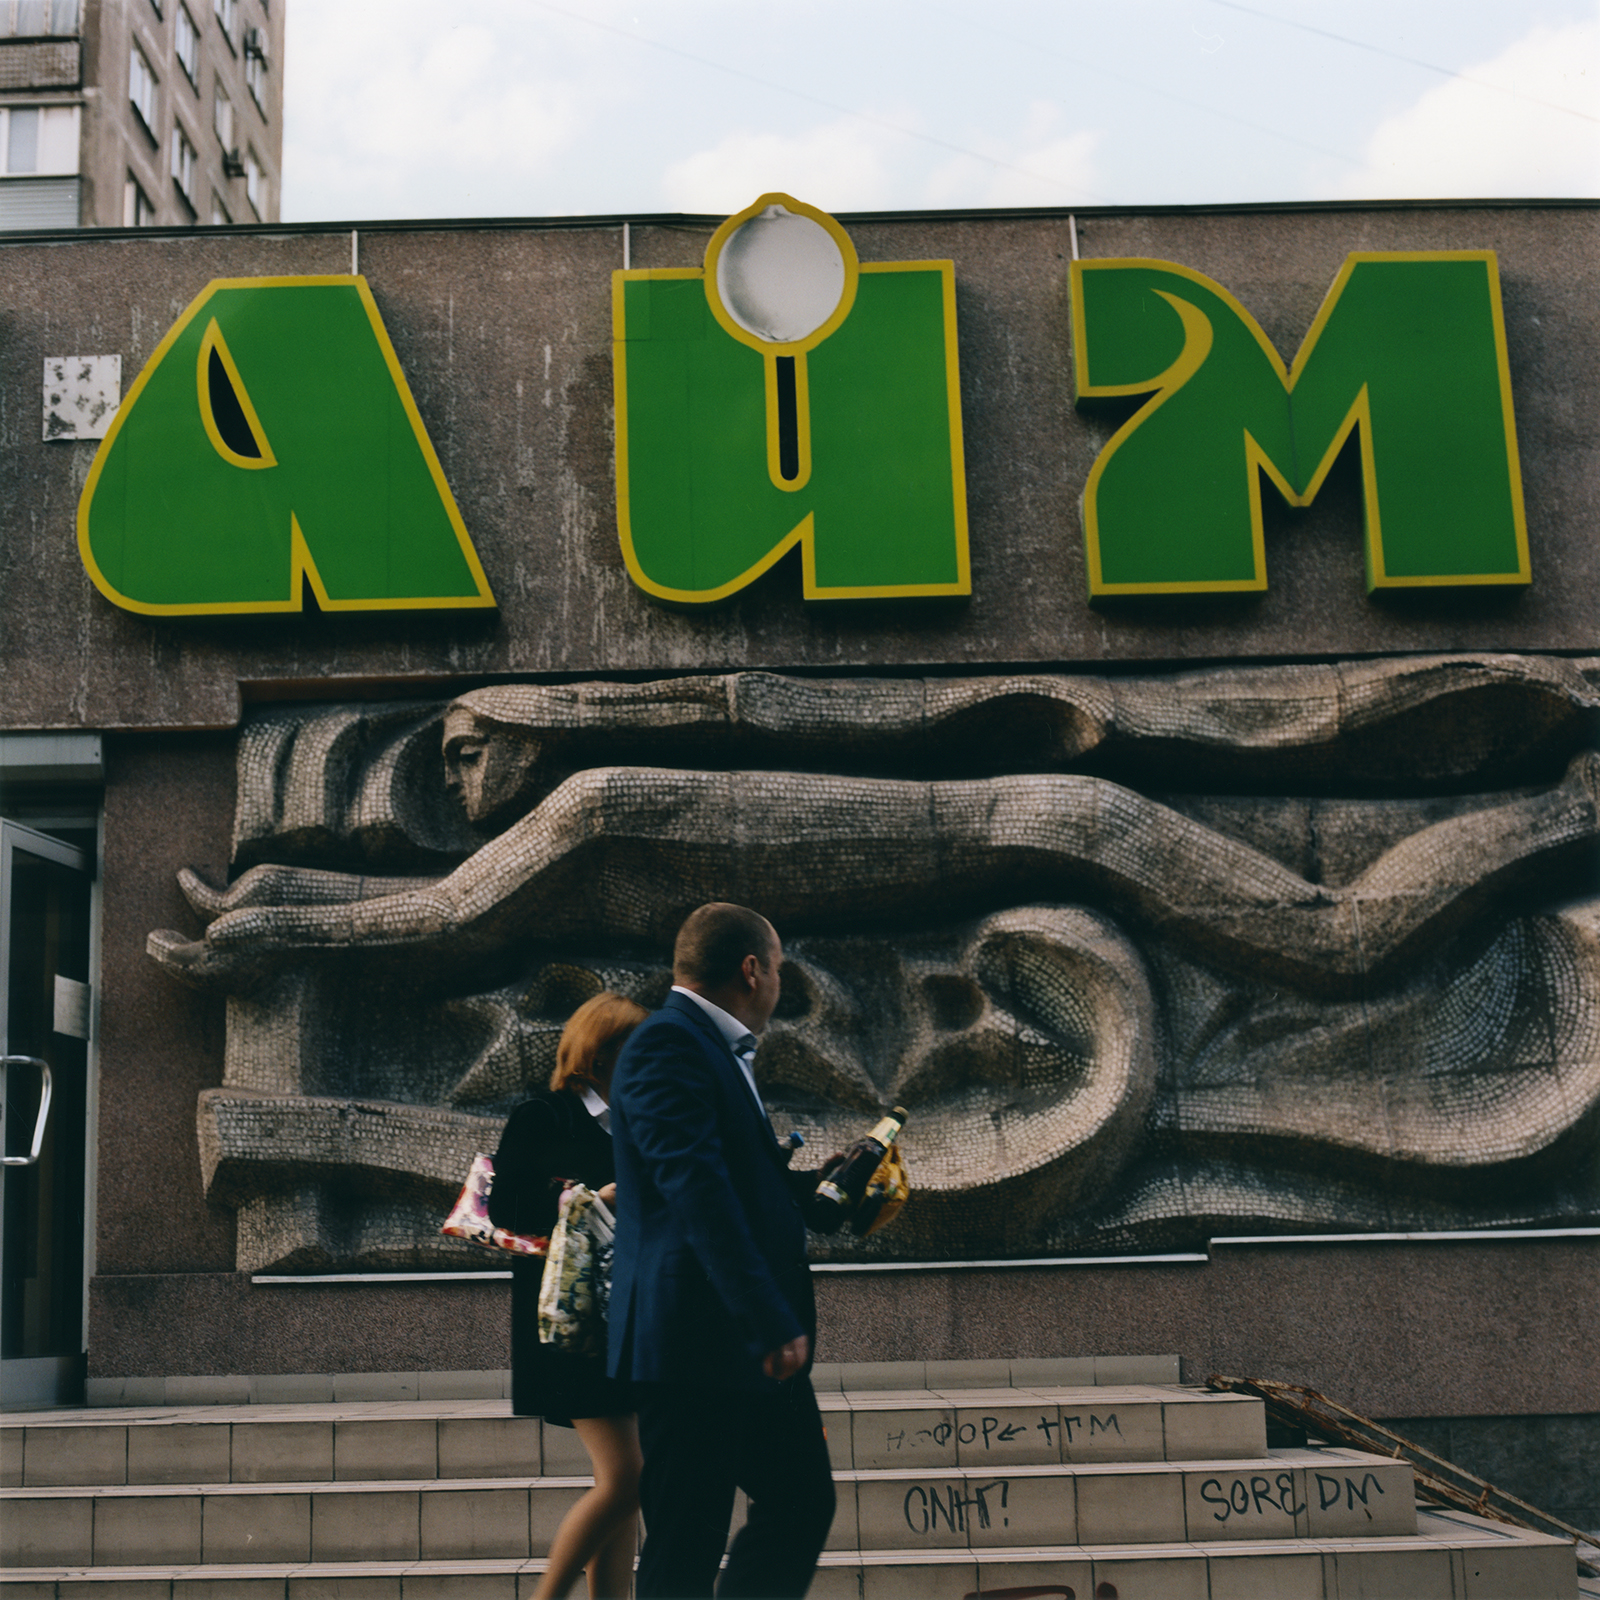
<point>549,1136</point>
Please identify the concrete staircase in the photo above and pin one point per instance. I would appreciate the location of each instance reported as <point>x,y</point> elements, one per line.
<point>1058,1480</point>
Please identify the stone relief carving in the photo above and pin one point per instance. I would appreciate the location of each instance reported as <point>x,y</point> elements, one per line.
<point>1151,957</point>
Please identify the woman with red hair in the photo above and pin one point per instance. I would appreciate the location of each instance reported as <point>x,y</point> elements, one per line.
<point>563,1134</point>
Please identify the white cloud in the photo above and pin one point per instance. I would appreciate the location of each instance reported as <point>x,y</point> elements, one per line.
<point>1474,138</point>
<point>839,166</point>
<point>434,123</point>
<point>853,165</point>
<point>1043,166</point>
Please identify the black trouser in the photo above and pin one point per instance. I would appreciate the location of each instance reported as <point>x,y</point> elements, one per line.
<point>702,1443</point>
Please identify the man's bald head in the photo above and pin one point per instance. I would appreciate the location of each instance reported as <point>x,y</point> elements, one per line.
<point>713,942</point>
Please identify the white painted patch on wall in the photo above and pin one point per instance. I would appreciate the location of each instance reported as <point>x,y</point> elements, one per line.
<point>81,395</point>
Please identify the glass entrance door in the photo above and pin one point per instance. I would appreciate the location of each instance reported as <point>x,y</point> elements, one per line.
<point>45,920</point>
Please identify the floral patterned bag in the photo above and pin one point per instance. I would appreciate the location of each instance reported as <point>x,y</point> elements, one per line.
<point>576,1287</point>
<point>469,1217</point>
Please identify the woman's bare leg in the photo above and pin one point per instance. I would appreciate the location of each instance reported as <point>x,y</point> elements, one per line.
<point>600,1532</point>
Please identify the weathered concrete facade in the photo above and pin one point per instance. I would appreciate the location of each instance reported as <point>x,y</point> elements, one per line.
<point>504,334</point>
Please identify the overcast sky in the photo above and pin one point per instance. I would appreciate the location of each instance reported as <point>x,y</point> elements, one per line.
<point>401,108</point>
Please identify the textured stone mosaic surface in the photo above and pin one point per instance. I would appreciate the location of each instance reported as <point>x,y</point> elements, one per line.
<point>1150,958</point>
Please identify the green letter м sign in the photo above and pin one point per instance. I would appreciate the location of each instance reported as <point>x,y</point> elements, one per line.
<point>1409,348</point>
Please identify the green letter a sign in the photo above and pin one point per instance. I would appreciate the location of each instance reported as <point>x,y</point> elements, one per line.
<point>271,438</point>
<point>1408,348</point>
<point>789,394</point>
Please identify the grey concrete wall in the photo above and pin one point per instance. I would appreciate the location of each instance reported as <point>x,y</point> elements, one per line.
<point>1482,1328</point>
<point>169,804</point>
<point>505,336</point>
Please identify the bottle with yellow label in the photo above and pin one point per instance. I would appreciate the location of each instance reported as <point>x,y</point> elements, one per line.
<point>840,1191</point>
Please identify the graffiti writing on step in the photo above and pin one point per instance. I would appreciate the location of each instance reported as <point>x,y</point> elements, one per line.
<point>992,1431</point>
<point>1256,1495</point>
<point>1107,1425</point>
<point>957,1507</point>
<point>1330,1491</point>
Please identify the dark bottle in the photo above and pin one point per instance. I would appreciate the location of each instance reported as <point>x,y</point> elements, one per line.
<point>841,1189</point>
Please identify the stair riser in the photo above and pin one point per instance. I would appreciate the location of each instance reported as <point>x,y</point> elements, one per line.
<point>1044,1434</point>
<point>179,1530</point>
<point>1394,1574</point>
<point>289,1452</point>
<point>913,1513</point>
<point>1422,1573</point>
<point>991,1510</point>
<point>519,1447</point>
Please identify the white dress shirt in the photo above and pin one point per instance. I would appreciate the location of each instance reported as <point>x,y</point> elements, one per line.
<point>596,1107</point>
<point>740,1039</point>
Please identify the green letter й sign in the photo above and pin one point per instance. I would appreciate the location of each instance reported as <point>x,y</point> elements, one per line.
<point>1409,348</point>
<point>788,394</point>
<point>272,438</point>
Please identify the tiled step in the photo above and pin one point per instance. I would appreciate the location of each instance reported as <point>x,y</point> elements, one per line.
<point>1040,1425</point>
<point>282,1444</point>
<point>947,1426</point>
<point>1289,1494</point>
<point>950,1426</point>
<point>1452,1557</point>
<point>1321,1494</point>
<point>1072,1372</point>
<point>322,1388</point>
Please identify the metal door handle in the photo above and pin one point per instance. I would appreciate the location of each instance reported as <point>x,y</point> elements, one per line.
<point>44,1110</point>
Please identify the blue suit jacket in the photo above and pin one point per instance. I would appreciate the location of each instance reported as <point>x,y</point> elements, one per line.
<point>710,1267</point>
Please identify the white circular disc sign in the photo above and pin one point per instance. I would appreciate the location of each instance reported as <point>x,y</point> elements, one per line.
<point>780,276</point>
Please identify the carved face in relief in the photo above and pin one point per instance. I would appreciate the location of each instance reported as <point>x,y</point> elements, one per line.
<point>491,770</point>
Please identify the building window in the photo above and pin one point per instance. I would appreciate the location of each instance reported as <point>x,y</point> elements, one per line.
<point>222,116</point>
<point>142,87</point>
<point>255,182</point>
<point>255,64</point>
<point>228,15</point>
<point>183,159</point>
<point>186,44</point>
<point>137,211</point>
<point>38,19</point>
<point>219,212</point>
<point>38,140</point>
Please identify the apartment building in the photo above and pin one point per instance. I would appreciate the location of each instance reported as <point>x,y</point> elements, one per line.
<point>140,113</point>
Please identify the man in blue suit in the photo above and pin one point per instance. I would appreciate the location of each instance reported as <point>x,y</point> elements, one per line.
<point>711,1305</point>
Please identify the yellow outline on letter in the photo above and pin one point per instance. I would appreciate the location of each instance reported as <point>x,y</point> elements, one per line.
<point>213,340</point>
<point>299,554</point>
<point>1167,383</point>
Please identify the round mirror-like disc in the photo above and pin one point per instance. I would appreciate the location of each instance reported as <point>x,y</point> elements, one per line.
<point>780,276</point>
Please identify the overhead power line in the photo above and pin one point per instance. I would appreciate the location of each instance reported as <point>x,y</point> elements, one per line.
<point>1410,61</point>
<point>987,28</point>
<point>816,100</point>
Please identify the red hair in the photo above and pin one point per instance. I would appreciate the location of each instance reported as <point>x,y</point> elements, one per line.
<point>592,1037</point>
